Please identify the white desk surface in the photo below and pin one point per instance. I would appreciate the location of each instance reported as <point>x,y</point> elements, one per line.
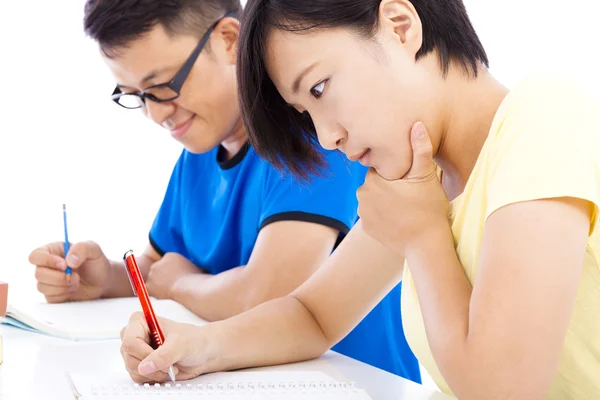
<point>35,365</point>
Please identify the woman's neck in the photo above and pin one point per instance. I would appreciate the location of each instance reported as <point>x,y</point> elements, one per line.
<point>472,105</point>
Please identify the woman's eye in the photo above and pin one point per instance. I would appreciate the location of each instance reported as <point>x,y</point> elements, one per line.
<point>317,90</point>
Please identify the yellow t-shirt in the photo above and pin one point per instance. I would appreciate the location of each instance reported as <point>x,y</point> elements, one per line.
<point>544,142</point>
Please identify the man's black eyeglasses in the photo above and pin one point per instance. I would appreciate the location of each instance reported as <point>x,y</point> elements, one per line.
<point>169,91</point>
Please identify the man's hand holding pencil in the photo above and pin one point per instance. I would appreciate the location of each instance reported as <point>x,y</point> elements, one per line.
<point>89,276</point>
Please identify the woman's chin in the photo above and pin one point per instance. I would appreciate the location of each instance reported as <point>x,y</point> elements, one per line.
<point>390,174</point>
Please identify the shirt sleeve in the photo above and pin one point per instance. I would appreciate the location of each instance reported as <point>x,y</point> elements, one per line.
<point>165,234</point>
<point>328,200</point>
<point>546,147</point>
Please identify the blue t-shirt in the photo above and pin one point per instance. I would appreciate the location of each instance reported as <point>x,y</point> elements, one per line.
<point>379,340</point>
<point>214,209</point>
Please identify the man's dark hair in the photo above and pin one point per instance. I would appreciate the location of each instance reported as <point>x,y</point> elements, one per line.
<point>286,138</point>
<point>115,23</point>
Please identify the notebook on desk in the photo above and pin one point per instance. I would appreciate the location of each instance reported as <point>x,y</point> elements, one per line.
<point>89,320</point>
<point>259,385</point>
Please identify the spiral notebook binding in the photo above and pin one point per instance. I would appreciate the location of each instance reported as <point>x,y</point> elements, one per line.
<point>228,387</point>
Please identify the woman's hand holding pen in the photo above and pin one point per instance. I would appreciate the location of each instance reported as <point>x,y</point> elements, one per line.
<point>90,271</point>
<point>184,349</point>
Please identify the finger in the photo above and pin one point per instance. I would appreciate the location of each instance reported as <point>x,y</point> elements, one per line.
<point>55,277</point>
<point>422,163</point>
<point>137,320</point>
<point>157,266</point>
<point>81,252</point>
<point>132,363</point>
<point>52,291</point>
<point>359,196</point>
<point>42,257</point>
<point>157,377</point>
<point>56,291</point>
<point>371,174</point>
<point>57,299</point>
<point>133,352</point>
<point>135,347</point>
<point>135,337</point>
<point>168,256</point>
<point>162,358</point>
<point>172,257</point>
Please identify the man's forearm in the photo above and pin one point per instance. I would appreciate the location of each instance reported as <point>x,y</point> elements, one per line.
<point>216,297</point>
<point>118,282</point>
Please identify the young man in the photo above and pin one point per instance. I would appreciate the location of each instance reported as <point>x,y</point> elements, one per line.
<point>232,232</point>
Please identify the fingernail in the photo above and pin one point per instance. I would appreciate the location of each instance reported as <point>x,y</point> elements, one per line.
<point>147,367</point>
<point>72,259</point>
<point>60,264</point>
<point>421,132</point>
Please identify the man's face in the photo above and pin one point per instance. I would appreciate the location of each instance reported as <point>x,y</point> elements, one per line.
<point>206,111</point>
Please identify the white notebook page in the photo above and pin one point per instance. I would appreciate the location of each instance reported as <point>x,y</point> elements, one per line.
<point>267,385</point>
<point>97,319</point>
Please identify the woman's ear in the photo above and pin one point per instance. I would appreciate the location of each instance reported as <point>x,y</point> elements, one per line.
<point>399,21</point>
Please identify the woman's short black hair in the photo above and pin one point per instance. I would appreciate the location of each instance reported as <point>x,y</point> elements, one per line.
<point>286,138</point>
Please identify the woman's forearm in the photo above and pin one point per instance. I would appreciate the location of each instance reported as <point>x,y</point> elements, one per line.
<point>444,295</point>
<point>316,316</point>
<point>279,331</point>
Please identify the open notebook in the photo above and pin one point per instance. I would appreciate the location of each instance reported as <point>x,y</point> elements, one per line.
<point>89,320</point>
<point>259,385</point>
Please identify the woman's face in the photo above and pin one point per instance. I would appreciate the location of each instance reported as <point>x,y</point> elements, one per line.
<point>362,95</point>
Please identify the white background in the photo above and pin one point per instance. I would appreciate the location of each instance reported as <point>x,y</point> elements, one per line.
<point>63,141</point>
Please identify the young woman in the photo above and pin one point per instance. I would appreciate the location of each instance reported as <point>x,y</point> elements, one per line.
<point>490,196</point>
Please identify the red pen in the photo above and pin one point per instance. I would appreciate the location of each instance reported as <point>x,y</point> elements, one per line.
<point>139,289</point>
